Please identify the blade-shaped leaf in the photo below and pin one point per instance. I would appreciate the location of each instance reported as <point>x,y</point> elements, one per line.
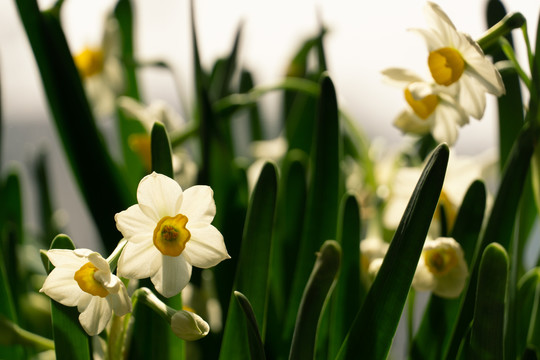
<point>375,324</point>
<point>256,346</point>
<point>525,302</point>
<point>316,292</point>
<point>253,265</point>
<point>161,151</point>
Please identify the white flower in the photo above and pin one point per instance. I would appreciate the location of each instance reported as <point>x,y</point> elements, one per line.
<point>441,269</point>
<point>101,70</point>
<point>431,108</point>
<point>83,278</point>
<point>372,252</point>
<point>457,60</point>
<point>263,151</point>
<point>460,173</point>
<point>189,326</point>
<point>168,232</point>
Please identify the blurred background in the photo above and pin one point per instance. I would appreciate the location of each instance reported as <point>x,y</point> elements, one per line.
<point>362,41</point>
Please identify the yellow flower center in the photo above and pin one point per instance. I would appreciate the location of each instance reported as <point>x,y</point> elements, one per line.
<point>89,62</point>
<point>171,235</point>
<point>450,211</point>
<point>423,107</point>
<point>446,65</point>
<point>141,145</point>
<point>85,278</point>
<point>440,261</point>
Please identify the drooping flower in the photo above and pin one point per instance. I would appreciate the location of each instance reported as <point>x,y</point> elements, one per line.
<point>168,232</point>
<point>101,70</point>
<point>83,278</point>
<point>441,269</point>
<point>189,326</point>
<point>430,108</point>
<point>456,60</point>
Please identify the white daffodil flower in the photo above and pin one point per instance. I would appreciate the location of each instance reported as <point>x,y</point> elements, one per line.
<point>185,169</point>
<point>101,70</point>
<point>456,60</point>
<point>460,173</point>
<point>83,278</point>
<point>372,252</point>
<point>189,326</point>
<point>431,108</point>
<point>168,232</point>
<point>441,269</point>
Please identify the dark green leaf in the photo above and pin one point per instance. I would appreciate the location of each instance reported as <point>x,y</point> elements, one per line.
<point>256,346</point>
<point>161,151</point>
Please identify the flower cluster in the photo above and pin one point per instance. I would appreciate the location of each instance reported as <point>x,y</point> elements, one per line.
<point>461,75</point>
<point>165,234</point>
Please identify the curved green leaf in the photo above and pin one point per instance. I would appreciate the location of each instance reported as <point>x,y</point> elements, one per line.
<point>525,302</point>
<point>316,292</point>
<point>256,346</point>
<point>375,324</point>
<point>161,151</point>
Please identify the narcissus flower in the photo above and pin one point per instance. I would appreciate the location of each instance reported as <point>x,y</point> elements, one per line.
<point>456,60</point>
<point>430,108</point>
<point>168,232</point>
<point>83,278</point>
<point>441,269</point>
<point>189,326</point>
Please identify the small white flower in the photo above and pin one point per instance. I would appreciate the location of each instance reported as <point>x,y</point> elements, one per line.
<point>83,278</point>
<point>457,60</point>
<point>431,108</point>
<point>101,70</point>
<point>168,232</point>
<point>189,326</point>
<point>372,252</point>
<point>441,269</point>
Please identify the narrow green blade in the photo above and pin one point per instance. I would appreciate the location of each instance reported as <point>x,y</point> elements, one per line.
<point>526,300</point>
<point>316,292</point>
<point>375,324</point>
<point>70,339</point>
<point>252,274</point>
<point>349,293</point>
<point>256,346</point>
<point>320,222</point>
<point>488,322</point>
<point>161,151</point>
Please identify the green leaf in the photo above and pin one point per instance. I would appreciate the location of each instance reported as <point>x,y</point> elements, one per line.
<point>317,290</point>
<point>488,322</point>
<point>252,274</point>
<point>161,151</point>
<point>440,314</point>
<point>526,300</point>
<point>7,310</point>
<point>256,346</point>
<point>500,225</point>
<point>323,195</point>
<point>255,123</point>
<point>129,132</point>
<point>348,294</point>
<point>70,339</point>
<point>375,324</point>
<point>123,12</point>
<point>99,180</point>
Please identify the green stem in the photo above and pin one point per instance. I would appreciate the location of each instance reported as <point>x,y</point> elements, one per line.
<point>147,297</point>
<point>509,52</point>
<point>113,258</point>
<point>500,29</point>
<point>530,54</point>
<point>17,335</point>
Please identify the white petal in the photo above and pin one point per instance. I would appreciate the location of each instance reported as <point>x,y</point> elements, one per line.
<point>482,69</point>
<point>452,284</point>
<point>65,258</point>
<point>61,286</point>
<point>159,196</point>
<point>401,77</point>
<point>432,39</point>
<point>139,260</point>
<point>120,302</point>
<point>198,204</point>
<point>445,125</point>
<point>206,247</point>
<point>441,25</point>
<point>423,279</point>
<point>408,122</point>
<point>189,326</point>
<point>96,316</point>
<point>134,109</point>
<point>133,221</point>
<point>96,259</point>
<point>472,96</point>
<point>84,301</point>
<point>173,276</point>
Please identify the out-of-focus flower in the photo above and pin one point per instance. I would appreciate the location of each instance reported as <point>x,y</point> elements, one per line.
<point>168,232</point>
<point>83,278</point>
<point>372,252</point>
<point>101,70</point>
<point>430,108</point>
<point>263,151</point>
<point>456,60</point>
<point>185,169</point>
<point>441,269</point>
<point>460,173</point>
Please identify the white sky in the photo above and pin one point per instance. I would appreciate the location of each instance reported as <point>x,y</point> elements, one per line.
<point>363,41</point>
